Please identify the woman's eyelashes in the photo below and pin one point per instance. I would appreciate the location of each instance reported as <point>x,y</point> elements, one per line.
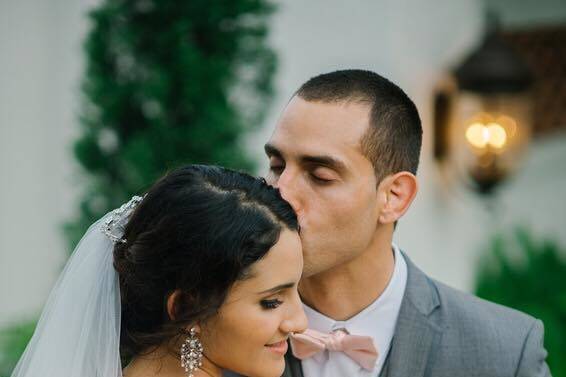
<point>270,304</point>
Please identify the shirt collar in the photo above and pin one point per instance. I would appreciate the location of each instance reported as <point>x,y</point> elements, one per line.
<point>378,320</point>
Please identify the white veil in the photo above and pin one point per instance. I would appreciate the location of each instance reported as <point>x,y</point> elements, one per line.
<point>78,333</point>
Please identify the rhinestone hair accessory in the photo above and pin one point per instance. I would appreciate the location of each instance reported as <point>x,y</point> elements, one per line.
<point>113,226</point>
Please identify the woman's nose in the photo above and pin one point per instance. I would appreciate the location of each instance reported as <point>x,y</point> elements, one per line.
<point>297,319</point>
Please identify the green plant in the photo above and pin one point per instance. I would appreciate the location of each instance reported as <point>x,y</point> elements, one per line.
<point>168,83</point>
<point>13,341</point>
<point>529,276</point>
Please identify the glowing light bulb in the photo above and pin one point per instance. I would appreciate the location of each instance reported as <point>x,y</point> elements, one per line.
<point>497,135</point>
<point>477,135</point>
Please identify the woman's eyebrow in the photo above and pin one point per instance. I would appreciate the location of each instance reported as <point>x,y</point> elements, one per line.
<point>277,288</point>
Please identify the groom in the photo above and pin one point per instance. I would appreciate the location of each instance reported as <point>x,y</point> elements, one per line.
<point>344,154</point>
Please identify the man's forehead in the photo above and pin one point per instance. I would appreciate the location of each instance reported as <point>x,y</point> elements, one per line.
<point>336,122</point>
<point>320,128</point>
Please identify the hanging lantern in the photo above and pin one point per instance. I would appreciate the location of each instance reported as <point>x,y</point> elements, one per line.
<point>483,123</point>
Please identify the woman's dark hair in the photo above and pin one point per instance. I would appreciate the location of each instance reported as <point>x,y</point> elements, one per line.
<point>197,230</point>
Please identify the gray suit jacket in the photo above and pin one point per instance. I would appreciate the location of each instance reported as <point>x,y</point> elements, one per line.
<point>442,332</point>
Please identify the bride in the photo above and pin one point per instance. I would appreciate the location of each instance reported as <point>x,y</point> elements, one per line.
<point>198,276</point>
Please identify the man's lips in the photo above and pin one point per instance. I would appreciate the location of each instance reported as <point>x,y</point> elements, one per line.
<point>279,347</point>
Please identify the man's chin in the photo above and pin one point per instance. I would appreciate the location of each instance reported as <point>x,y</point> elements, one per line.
<point>308,272</point>
<point>312,268</point>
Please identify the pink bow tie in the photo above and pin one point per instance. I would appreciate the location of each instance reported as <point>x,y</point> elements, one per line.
<point>361,349</point>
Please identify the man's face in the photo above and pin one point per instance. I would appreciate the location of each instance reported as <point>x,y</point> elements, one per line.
<point>316,161</point>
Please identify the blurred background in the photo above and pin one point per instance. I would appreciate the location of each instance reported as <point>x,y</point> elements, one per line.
<point>99,98</point>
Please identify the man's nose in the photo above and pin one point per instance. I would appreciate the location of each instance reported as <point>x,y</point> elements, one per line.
<point>287,185</point>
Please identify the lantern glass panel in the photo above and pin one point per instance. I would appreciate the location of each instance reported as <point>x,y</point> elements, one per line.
<point>489,135</point>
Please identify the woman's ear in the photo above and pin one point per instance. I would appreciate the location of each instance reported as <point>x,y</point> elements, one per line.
<point>172,309</point>
<point>396,192</point>
<point>172,302</point>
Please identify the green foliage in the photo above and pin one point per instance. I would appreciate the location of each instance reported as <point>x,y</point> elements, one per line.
<point>531,277</point>
<point>13,341</point>
<point>168,83</point>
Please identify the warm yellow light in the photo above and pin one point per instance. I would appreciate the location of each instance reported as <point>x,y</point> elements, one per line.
<point>509,124</point>
<point>477,135</point>
<point>497,135</point>
<point>480,135</point>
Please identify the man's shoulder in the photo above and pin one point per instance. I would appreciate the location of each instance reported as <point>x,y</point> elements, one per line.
<point>491,335</point>
<point>466,313</point>
<point>467,309</point>
<point>495,334</point>
<point>471,335</point>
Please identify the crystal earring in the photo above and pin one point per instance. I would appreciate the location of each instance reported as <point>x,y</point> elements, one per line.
<point>191,353</point>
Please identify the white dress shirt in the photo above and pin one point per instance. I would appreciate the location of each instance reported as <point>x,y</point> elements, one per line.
<point>378,321</point>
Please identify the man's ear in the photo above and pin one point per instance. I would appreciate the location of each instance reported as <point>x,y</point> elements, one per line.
<point>396,193</point>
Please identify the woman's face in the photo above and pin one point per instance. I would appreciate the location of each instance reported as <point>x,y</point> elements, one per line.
<point>249,335</point>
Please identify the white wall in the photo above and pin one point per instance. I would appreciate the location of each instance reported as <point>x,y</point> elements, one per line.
<point>40,63</point>
<point>409,41</point>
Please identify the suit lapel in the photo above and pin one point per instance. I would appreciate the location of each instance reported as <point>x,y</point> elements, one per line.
<point>416,331</point>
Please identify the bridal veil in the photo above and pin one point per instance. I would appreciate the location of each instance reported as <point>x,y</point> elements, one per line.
<point>78,333</point>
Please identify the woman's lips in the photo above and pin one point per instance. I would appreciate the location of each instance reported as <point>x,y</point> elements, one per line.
<point>279,347</point>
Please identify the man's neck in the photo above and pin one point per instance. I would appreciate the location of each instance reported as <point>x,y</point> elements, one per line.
<point>345,290</point>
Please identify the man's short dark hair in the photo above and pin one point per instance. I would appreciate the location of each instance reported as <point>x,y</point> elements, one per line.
<point>393,139</point>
